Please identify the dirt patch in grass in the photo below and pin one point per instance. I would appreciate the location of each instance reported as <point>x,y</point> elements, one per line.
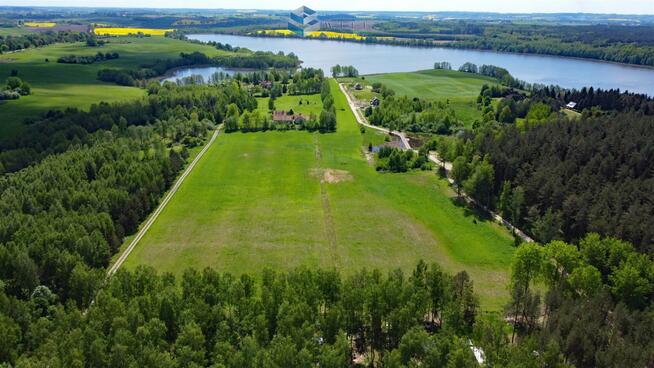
<point>331,176</point>
<point>7,60</point>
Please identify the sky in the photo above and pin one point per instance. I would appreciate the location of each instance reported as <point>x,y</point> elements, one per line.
<point>502,6</point>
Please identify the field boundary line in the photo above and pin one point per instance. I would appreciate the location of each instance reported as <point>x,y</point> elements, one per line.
<point>433,157</point>
<point>146,226</point>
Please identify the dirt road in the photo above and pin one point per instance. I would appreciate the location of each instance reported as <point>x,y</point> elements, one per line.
<point>146,226</point>
<point>433,157</point>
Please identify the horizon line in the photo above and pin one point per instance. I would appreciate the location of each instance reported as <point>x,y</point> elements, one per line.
<point>324,10</point>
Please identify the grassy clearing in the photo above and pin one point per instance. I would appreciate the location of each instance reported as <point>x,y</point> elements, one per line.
<point>130,31</point>
<point>260,200</point>
<point>460,89</point>
<point>13,31</point>
<point>311,104</point>
<point>56,86</point>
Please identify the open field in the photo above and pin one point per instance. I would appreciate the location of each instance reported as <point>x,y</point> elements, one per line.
<point>56,86</point>
<point>40,24</point>
<point>130,31</point>
<point>283,199</point>
<point>336,35</point>
<point>460,89</point>
<point>311,104</point>
<point>282,32</point>
<point>13,31</point>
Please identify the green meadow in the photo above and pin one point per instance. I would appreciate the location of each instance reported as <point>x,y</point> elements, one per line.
<point>57,86</point>
<point>285,199</point>
<point>459,89</point>
<point>304,104</point>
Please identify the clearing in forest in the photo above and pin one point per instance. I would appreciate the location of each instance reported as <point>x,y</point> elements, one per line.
<point>458,88</point>
<point>284,199</point>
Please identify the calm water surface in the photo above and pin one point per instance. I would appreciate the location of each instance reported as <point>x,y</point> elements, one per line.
<point>205,71</point>
<point>370,59</point>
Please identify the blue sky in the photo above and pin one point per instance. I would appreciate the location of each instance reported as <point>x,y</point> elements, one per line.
<point>508,6</point>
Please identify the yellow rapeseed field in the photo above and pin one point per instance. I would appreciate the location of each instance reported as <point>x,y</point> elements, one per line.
<point>128,31</point>
<point>285,32</point>
<point>329,34</point>
<point>40,24</point>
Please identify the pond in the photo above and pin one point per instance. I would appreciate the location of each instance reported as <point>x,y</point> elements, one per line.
<point>204,71</point>
<point>372,58</point>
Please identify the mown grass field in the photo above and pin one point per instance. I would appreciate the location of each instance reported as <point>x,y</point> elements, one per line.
<point>311,104</point>
<point>56,86</point>
<point>460,89</point>
<point>284,199</point>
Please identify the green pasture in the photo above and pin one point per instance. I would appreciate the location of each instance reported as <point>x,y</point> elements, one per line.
<point>303,104</point>
<point>57,86</point>
<point>284,199</point>
<point>458,89</point>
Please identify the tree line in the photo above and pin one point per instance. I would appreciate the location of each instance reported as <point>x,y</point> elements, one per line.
<point>91,179</point>
<point>413,115</point>
<point>57,131</point>
<point>344,71</point>
<point>299,318</point>
<point>13,43</point>
<point>564,178</point>
<point>77,59</point>
<point>617,43</point>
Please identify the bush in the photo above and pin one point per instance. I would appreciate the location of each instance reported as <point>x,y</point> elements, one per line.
<point>9,95</point>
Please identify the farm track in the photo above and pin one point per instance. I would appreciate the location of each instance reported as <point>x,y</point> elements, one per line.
<point>146,226</point>
<point>330,231</point>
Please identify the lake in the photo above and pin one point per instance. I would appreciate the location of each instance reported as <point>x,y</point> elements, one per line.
<point>371,59</point>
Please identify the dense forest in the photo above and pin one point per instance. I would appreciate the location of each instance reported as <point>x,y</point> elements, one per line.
<point>84,180</point>
<point>78,59</point>
<point>297,319</point>
<point>562,178</point>
<point>597,313</point>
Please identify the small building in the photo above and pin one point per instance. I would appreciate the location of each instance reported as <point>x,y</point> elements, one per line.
<point>358,87</point>
<point>571,105</point>
<point>285,117</point>
<point>266,84</point>
<point>374,102</point>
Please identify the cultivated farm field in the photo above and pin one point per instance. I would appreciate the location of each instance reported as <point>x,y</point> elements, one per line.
<point>284,199</point>
<point>124,31</point>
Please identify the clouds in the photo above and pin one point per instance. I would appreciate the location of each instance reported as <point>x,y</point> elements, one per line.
<point>504,6</point>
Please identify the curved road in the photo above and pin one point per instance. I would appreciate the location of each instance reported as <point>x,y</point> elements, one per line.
<point>146,226</point>
<point>434,158</point>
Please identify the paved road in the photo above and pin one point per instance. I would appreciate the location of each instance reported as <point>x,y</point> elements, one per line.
<point>433,156</point>
<point>162,205</point>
